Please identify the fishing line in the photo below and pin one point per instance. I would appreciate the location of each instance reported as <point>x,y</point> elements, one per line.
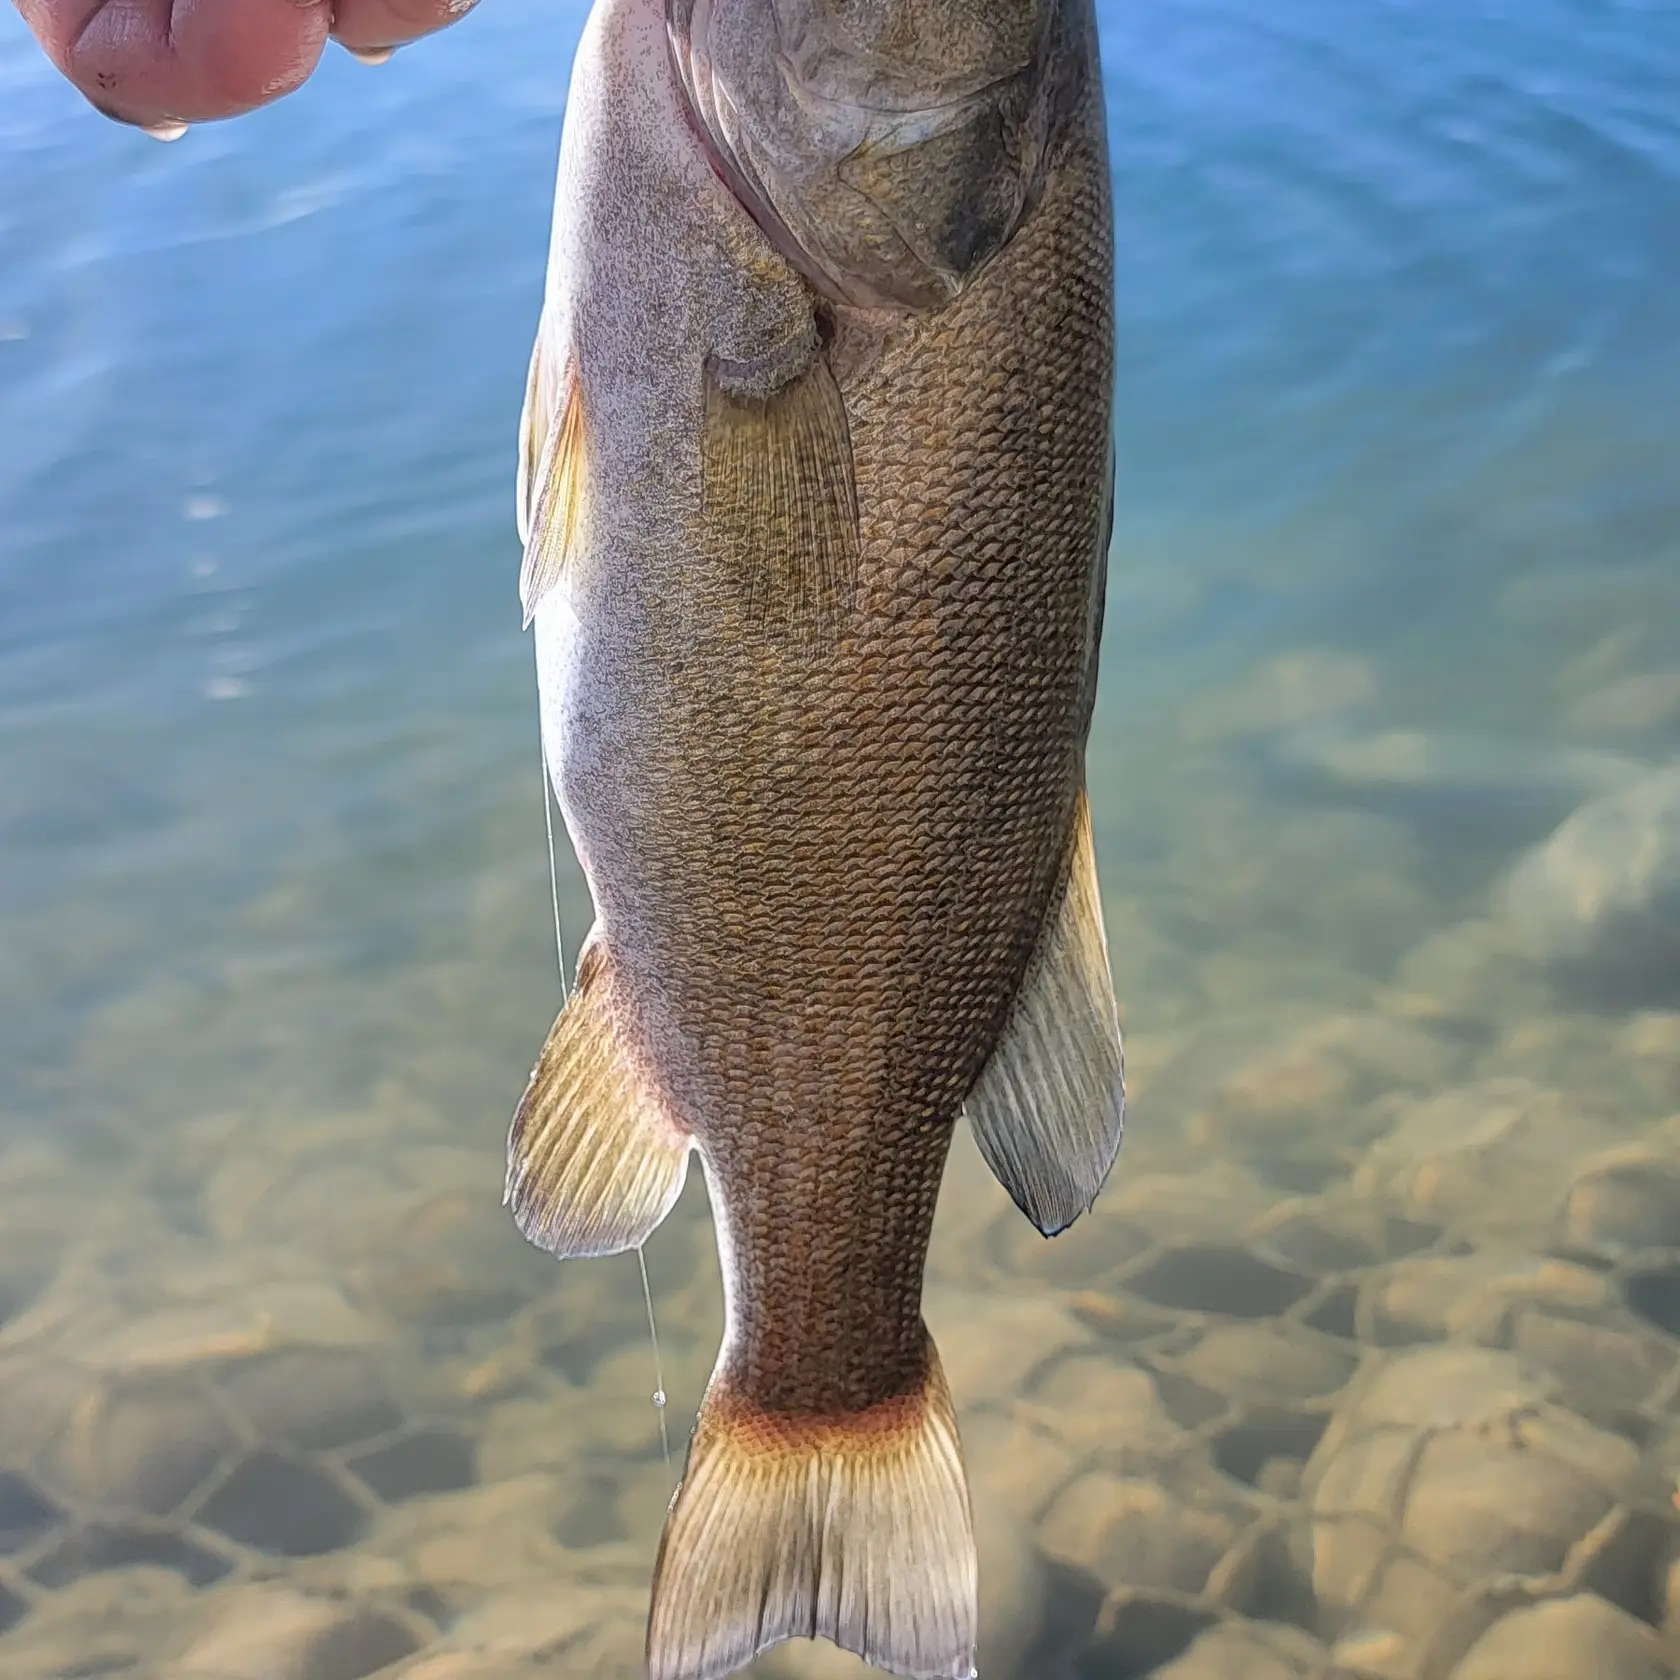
<point>554,887</point>
<point>658,1367</point>
<point>553,869</point>
<point>565,995</point>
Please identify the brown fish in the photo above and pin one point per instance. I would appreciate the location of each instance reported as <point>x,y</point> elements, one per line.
<point>815,489</point>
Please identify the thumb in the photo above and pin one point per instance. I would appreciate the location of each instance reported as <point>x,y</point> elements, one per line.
<point>164,62</point>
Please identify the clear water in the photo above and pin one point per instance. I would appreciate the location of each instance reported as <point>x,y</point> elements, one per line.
<point>1399,387</point>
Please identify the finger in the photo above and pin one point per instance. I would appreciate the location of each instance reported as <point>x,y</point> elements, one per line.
<point>371,26</point>
<point>157,61</point>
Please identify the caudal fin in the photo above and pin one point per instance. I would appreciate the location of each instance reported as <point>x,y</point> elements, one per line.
<point>854,1528</point>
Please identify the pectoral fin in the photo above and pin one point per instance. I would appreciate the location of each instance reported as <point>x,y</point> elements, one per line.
<point>779,500</point>
<point>551,478</point>
<point>594,1161</point>
<point>1049,1107</point>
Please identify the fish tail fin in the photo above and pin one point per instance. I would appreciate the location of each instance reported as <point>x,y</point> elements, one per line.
<point>852,1527</point>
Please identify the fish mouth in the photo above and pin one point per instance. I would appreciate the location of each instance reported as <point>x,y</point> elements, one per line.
<point>888,193</point>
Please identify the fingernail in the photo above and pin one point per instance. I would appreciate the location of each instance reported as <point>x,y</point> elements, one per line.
<point>371,55</point>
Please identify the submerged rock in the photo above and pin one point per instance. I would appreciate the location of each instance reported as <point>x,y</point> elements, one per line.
<point>1493,1158</point>
<point>468,1665</point>
<point>1214,1204</point>
<point>1235,1651</point>
<point>1133,1532</point>
<point>1580,1638</point>
<point>1015,1465</point>
<point>455,1259</point>
<point>1300,1108</point>
<point>143,1443</point>
<point>1599,902</point>
<point>1471,1297</point>
<point>1668,1598</point>
<point>267,1632</point>
<point>1624,1204</point>
<point>318,1398</point>
<point>1104,1411</point>
<point>500,1538</point>
<point>991,1345</point>
<point>101,1624</point>
<point>1609,1374</point>
<point>197,1376</point>
<point>1012,1602</point>
<point>414,1234</point>
<point>1445,1468</point>
<point>1275,1362</point>
<point>565,1627</point>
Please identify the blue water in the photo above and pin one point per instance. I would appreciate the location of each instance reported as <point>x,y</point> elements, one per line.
<point>1399,341</point>
<point>1398,394</point>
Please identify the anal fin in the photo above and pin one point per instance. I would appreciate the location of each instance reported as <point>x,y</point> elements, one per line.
<point>779,497</point>
<point>1048,1109</point>
<point>594,1161</point>
<point>853,1528</point>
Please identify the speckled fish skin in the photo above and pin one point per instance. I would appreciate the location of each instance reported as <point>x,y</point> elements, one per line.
<point>824,841</point>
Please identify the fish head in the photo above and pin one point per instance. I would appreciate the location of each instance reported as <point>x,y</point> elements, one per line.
<point>888,148</point>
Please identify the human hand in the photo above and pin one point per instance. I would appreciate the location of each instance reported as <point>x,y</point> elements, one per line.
<point>162,64</point>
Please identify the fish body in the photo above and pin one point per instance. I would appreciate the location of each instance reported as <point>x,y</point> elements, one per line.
<point>815,486</point>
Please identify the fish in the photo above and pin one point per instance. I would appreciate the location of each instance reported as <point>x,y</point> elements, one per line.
<point>815,492</point>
